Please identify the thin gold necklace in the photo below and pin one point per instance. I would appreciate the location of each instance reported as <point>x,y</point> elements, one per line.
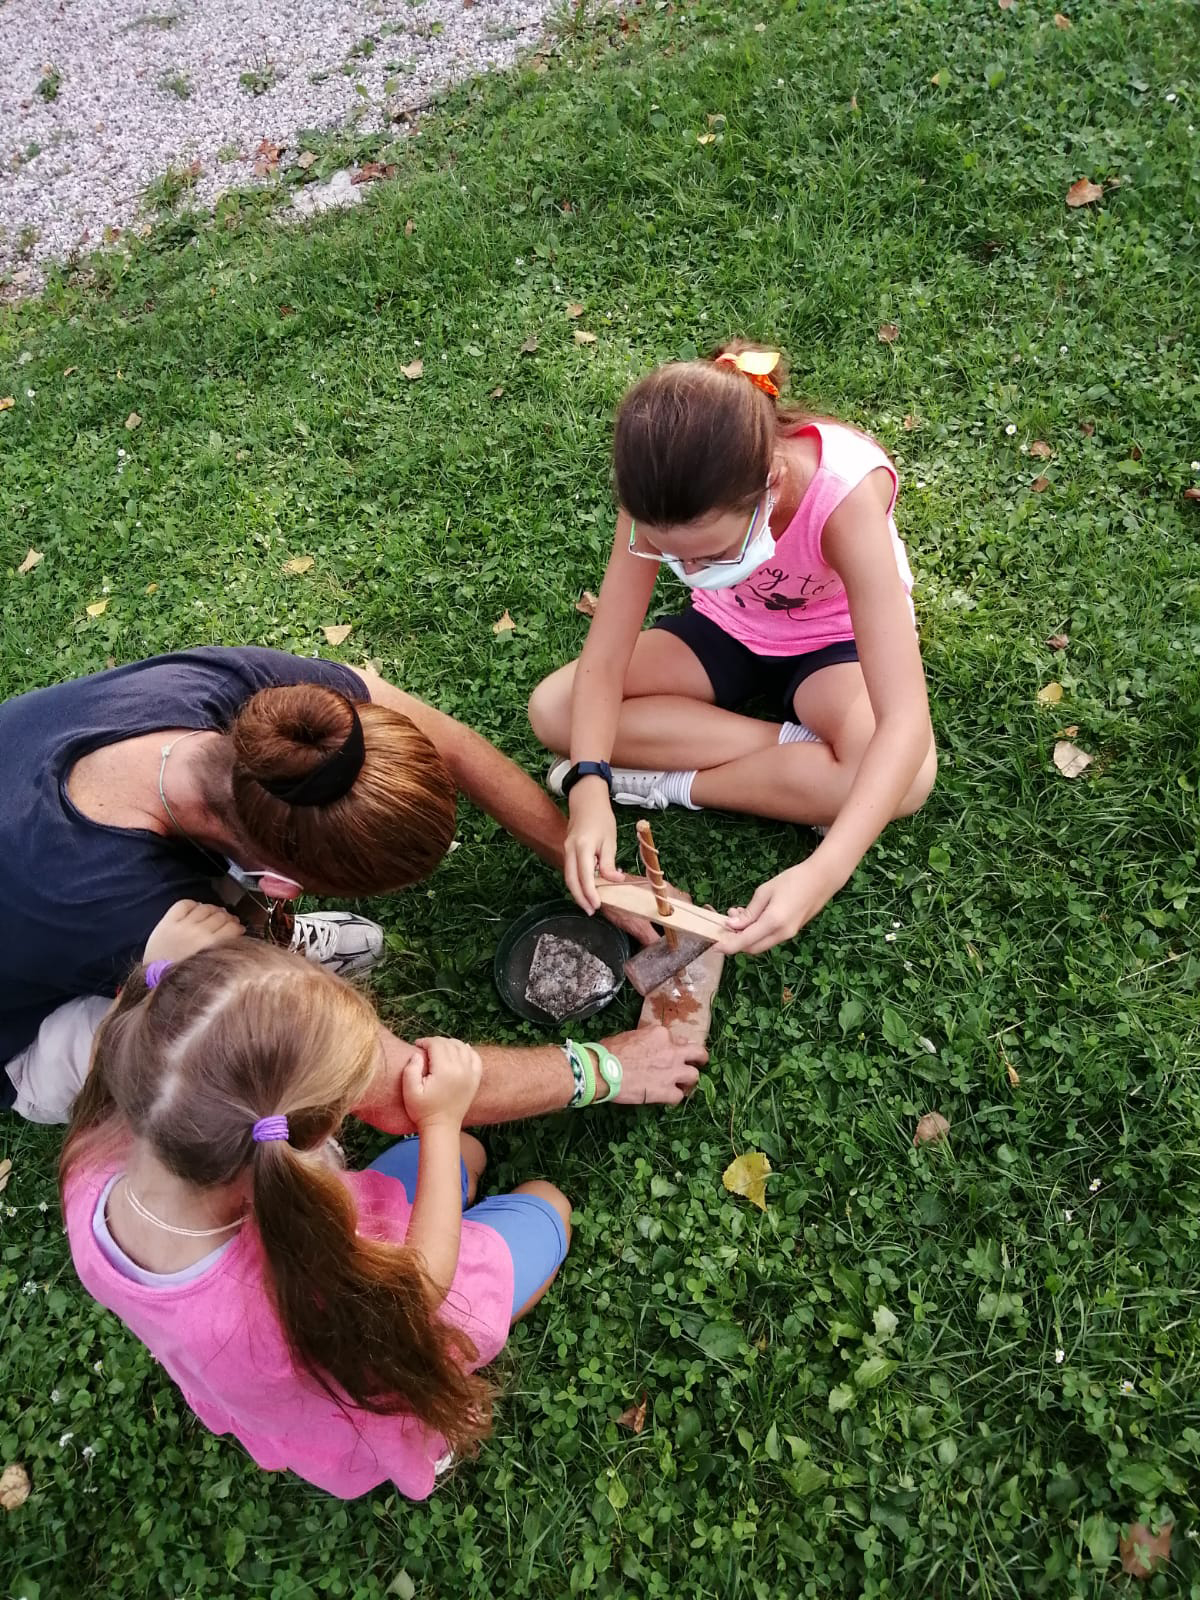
<point>169,1227</point>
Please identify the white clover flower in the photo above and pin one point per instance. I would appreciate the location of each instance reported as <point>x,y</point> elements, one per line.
<point>1062,349</point>
<point>889,938</point>
<point>1171,99</point>
<point>1068,1215</point>
<point>1059,1357</point>
<point>97,1366</point>
<point>65,1440</point>
<point>55,1397</point>
<point>43,1206</point>
<point>1011,429</point>
<point>1196,466</point>
<point>29,393</point>
<point>88,1451</point>
<point>1126,1386</point>
<point>10,1211</point>
<point>1094,1185</point>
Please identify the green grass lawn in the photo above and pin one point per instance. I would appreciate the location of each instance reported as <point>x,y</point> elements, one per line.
<point>857,1392</point>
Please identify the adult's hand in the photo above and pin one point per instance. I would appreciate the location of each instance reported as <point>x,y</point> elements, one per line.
<point>657,1071</point>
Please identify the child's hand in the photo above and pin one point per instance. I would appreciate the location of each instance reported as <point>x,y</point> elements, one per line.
<point>439,1084</point>
<point>188,926</point>
<point>778,911</point>
<point>591,843</point>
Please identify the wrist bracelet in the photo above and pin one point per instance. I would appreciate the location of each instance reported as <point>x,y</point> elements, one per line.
<point>584,1070</point>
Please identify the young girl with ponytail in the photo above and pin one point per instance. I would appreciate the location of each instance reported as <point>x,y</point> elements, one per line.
<point>780,523</point>
<point>334,1321</point>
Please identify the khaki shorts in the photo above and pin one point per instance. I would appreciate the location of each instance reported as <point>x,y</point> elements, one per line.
<point>49,1073</point>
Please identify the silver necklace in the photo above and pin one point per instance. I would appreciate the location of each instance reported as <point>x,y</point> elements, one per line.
<point>266,903</point>
<point>147,1215</point>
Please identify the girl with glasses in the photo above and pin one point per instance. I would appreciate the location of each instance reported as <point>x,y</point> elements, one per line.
<point>780,524</point>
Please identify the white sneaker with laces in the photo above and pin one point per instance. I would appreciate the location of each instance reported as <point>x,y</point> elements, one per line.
<point>347,944</point>
<point>631,785</point>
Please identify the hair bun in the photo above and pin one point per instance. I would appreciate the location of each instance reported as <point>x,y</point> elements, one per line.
<point>281,735</point>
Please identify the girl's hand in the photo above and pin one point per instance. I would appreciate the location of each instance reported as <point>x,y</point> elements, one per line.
<point>778,911</point>
<point>591,843</point>
<point>188,926</point>
<point>439,1083</point>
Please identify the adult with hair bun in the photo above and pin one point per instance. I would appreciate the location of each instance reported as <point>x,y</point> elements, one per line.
<point>780,523</point>
<point>216,772</point>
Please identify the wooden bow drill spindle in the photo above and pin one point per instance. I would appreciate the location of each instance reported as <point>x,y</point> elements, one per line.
<point>651,866</point>
<point>687,930</point>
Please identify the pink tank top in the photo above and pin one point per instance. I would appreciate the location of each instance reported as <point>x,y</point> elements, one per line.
<point>795,602</point>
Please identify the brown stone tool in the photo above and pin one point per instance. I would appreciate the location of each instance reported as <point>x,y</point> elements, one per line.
<point>681,943</point>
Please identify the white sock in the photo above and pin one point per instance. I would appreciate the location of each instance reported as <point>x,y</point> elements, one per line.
<point>797,733</point>
<point>677,786</point>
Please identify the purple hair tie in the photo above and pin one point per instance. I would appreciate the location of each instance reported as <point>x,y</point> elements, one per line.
<point>267,1128</point>
<point>155,973</point>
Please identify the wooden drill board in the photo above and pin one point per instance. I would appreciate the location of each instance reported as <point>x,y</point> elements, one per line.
<point>640,900</point>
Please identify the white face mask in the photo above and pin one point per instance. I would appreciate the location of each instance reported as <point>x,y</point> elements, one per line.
<point>724,574</point>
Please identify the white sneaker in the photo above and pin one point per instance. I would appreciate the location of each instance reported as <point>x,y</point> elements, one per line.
<point>631,786</point>
<point>347,944</point>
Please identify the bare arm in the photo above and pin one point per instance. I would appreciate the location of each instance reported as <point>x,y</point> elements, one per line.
<point>435,1227</point>
<point>520,1081</point>
<point>488,779</point>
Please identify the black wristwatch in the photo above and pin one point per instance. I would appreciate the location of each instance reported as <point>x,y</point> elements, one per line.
<point>587,769</point>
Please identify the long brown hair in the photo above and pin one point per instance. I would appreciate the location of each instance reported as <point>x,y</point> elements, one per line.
<point>694,437</point>
<point>391,827</point>
<point>246,1031</point>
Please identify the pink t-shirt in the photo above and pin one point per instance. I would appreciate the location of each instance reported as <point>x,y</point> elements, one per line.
<point>795,602</point>
<point>219,1338</point>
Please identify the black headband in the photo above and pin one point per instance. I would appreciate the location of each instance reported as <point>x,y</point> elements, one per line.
<point>331,779</point>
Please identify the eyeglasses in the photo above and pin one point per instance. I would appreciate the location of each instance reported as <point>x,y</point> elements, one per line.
<point>720,561</point>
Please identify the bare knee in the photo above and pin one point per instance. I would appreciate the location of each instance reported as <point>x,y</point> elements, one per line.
<point>550,709</point>
<point>552,1196</point>
<point>474,1158</point>
<point>921,786</point>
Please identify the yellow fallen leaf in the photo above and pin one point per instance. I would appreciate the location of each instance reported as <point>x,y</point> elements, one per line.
<point>67,371</point>
<point>1014,1077</point>
<point>1061,21</point>
<point>505,624</point>
<point>1050,695</point>
<point>151,588</point>
<point>305,159</point>
<point>748,1176</point>
<point>496,392</point>
<point>7,403</point>
<point>1068,733</point>
<point>575,310</point>
<point>97,608</point>
<point>409,228</point>
<point>5,1173</point>
<point>14,1486</point>
<point>582,336</point>
<point>936,80</point>
<point>705,138</point>
<point>413,370</point>
<point>133,421</point>
<point>298,564</point>
<point>338,633</point>
<point>31,560</point>
<point>1070,759</point>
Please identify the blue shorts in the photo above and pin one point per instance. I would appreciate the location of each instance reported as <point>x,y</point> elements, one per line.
<point>530,1227</point>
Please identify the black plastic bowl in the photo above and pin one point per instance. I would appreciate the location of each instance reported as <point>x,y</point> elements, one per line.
<point>514,956</point>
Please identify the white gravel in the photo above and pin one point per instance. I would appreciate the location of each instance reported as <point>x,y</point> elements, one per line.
<point>144,86</point>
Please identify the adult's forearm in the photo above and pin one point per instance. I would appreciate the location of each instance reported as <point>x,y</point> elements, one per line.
<point>519,1081</point>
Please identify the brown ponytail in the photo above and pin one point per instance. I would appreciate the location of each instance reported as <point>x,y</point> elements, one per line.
<point>244,1031</point>
<point>694,437</point>
<point>391,826</point>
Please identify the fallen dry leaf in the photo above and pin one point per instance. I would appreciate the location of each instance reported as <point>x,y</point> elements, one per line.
<point>7,403</point>
<point>1050,695</point>
<point>97,608</point>
<point>497,392</point>
<point>266,158</point>
<point>530,345</point>
<point>1058,641</point>
<point>1087,429</point>
<point>936,80</point>
<point>747,1176</point>
<point>505,624</point>
<point>1014,1077</point>
<point>582,336</point>
<point>67,371</point>
<point>372,172</point>
<point>1061,21</point>
<point>705,138</point>
<point>887,333</point>
<point>151,588</point>
<point>305,159</point>
<point>1070,759</point>
<point>634,1417</point>
<point>299,564</point>
<point>587,603</point>
<point>1069,732</point>
<point>286,311</point>
<point>931,1129</point>
<point>338,632</point>
<point>911,422</point>
<point>1083,192</point>
<point>31,560</point>
<point>1006,5</point>
<point>409,226</point>
<point>1041,449</point>
<point>133,421</point>
<point>14,1486</point>
<point>413,370</point>
<point>5,1173</point>
<point>1039,485</point>
<point>1192,493</point>
<point>1142,1551</point>
<point>575,310</point>
<point>110,662</point>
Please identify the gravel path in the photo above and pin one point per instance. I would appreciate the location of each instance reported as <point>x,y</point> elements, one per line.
<point>100,97</point>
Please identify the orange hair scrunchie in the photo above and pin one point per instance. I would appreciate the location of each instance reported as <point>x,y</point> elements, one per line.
<point>757,365</point>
